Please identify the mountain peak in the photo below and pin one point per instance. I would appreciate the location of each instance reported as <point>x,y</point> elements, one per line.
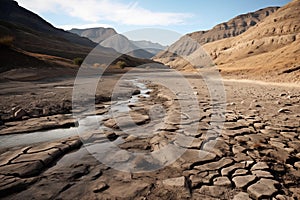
<point>97,34</point>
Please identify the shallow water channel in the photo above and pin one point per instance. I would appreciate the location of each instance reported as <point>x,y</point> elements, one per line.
<point>85,124</point>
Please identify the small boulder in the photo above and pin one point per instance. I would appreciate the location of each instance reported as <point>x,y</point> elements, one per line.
<point>283,94</point>
<point>100,187</point>
<point>284,110</point>
<point>136,92</point>
<point>20,113</point>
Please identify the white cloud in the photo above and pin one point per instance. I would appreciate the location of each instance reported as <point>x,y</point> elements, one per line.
<point>96,11</point>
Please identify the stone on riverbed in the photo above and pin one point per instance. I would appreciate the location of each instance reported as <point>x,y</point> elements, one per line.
<point>23,169</point>
<point>174,182</point>
<point>30,162</point>
<point>243,181</point>
<point>36,124</point>
<point>124,121</point>
<point>136,92</point>
<point>264,188</point>
<point>20,113</point>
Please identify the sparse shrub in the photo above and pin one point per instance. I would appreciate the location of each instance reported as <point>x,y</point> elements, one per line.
<point>121,64</point>
<point>6,41</point>
<point>96,65</point>
<point>78,61</point>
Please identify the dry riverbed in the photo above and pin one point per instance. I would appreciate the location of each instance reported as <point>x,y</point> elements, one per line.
<point>255,155</point>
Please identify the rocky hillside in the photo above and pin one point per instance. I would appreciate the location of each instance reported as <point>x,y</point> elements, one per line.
<point>34,34</point>
<point>187,44</point>
<point>233,27</point>
<point>269,51</point>
<point>29,42</point>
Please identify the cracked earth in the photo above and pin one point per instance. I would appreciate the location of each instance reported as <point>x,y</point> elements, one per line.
<point>255,155</point>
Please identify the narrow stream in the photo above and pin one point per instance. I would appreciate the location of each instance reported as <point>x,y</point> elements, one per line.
<point>85,124</point>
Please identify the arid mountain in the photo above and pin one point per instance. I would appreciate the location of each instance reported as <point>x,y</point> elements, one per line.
<point>34,34</point>
<point>147,49</point>
<point>151,47</point>
<point>270,50</point>
<point>189,43</point>
<point>29,43</point>
<point>233,27</point>
<point>123,45</point>
<point>97,35</point>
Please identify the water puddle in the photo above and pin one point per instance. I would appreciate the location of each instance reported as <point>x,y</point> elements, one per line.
<point>85,124</point>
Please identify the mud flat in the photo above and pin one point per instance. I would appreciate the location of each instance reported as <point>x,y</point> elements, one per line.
<point>254,154</point>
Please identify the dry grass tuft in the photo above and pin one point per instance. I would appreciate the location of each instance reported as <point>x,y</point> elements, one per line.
<point>6,41</point>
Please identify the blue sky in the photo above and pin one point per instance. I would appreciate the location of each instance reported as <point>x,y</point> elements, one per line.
<point>179,16</point>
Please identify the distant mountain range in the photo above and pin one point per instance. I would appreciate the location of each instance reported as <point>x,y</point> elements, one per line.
<point>121,44</point>
<point>263,44</point>
<point>153,48</point>
<point>142,49</point>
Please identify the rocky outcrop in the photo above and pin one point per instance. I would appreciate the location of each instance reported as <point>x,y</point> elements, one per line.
<point>189,43</point>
